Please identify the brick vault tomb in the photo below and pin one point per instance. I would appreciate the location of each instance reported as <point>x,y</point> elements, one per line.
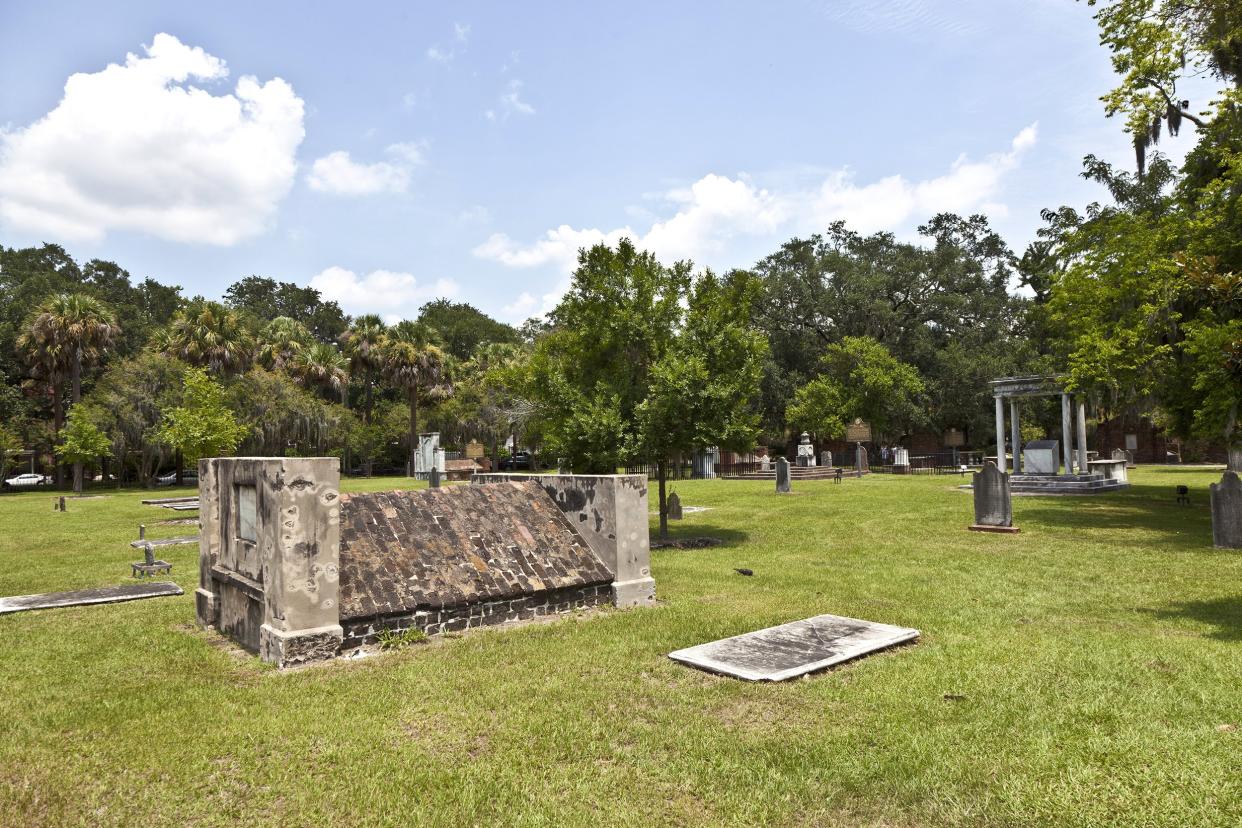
<point>295,571</point>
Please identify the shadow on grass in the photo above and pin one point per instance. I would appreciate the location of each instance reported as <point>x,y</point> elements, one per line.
<point>1145,508</point>
<point>726,537</point>
<point>1224,613</point>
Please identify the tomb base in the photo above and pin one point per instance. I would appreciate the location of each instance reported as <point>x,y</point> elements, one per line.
<point>1004,530</point>
<point>285,649</point>
<point>207,607</point>
<point>639,592</point>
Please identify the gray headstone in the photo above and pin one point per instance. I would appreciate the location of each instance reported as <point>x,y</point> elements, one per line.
<point>1040,457</point>
<point>993,506</point>
<point>825,458</point>
<point>674,507</point>
<point>433,478</point>
<point>1227,512</point>
<point>860,459</point>
<point>782,475</point>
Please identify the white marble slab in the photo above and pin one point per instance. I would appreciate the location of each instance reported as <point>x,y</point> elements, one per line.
<point>794,649</point>
<point>98,595</point>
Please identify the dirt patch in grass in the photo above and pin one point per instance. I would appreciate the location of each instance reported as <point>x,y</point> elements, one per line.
<point>687,543</point>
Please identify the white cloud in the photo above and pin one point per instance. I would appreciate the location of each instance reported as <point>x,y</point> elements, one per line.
<point>136,146</point>
<point>511,103</point>
<point>519,310</point>
<point>435,53</point>
<point>391,294</point>
<point>461,32</point>
<point>717,209</point>
<point>409,100</point>
<point>337,173</point>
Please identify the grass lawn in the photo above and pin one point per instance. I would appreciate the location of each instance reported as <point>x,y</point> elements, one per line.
<point>1079,673</point>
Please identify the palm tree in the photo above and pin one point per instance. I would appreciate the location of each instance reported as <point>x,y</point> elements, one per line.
<point>322,366</point>
<point>412,361</point>
<point>65,333</point>
<point>361,344</point>
<point>209,335</point>
<point>280,342</point>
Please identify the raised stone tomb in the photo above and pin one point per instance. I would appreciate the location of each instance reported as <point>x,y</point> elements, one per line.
<point>294,571</point>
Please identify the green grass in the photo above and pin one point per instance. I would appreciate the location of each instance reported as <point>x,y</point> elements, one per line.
<point>1075,674</point>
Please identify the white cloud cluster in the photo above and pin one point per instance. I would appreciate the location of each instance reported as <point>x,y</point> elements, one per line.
<point>339,174</point>
<point>391,294</point>
<point>511,103</point>
<point>717,209</point>
<point>138,147</point>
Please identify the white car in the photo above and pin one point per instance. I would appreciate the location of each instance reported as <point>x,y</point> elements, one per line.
<point>189,477</point>
<point>28,479</point>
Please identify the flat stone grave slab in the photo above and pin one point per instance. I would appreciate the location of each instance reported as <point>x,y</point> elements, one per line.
<point>139,544</point>
<point>160,501</point>
<point>794,649</point>
<point>181,507</point>
<point>79,597</point>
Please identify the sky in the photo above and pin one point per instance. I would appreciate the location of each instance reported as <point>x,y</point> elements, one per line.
<point>389,153</point>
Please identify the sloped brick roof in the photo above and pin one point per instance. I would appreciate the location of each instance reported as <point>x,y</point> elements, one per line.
<point>404,551</point>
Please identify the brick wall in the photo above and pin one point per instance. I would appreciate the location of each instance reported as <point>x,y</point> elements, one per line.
<point>362,631</point>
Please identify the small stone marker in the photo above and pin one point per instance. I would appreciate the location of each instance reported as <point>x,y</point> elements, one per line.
<point>782,476</point>
<point>433,478</point>
<point>99,595</point>
<point>149,565</point>
<point>674,507</point>
<point>825,458</point>
<point>794,649</point>
<point>993,504</point>
<point>1227,512</point>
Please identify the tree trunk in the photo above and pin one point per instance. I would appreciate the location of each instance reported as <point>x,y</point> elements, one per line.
<point>413,427</point>
<point>58,423</point>
<point>179,462</point>
<point>77,479</point>
<point>661,476</point>
<point>77,397</point>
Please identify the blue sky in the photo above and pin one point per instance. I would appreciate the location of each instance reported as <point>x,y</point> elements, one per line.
<point>390,152</point>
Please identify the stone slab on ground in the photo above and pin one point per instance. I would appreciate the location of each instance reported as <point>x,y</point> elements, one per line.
<point>794,649</point>
<point>79,597</point>
<point>139,544</point>
<point>181,507</point>
<point>160,501</point>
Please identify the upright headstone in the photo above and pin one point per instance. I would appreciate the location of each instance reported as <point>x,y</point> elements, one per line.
<point>782,475</point>
<point>674,507</point>
<point>1227,512</point>
<point>860,460</point>
<point>433,478</point>
<point>993,506</point>
<point>825,458</point>
<point>765,463</point>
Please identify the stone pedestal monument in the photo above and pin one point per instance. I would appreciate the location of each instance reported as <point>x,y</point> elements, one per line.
<point>993,505</point>
<point>806,451</point>
<point>1227,512</point>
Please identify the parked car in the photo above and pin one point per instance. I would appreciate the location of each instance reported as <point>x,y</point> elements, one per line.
<point>515,462</point>
<point>189,477</point>
<point>28,479</point>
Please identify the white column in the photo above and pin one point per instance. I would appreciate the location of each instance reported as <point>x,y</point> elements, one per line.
<point>1082,437</point>
<point>1067,447</point>
<point>1000,434</point>
<point>1015,436</point>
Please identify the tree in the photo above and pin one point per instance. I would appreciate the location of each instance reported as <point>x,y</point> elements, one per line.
<point>82,442</point>
<point>66,332</point>
<point>860,378</point>
<point>280,342</point>
<point>202,426</point>
<point>414,363</point>
<point>463,328</point>
<point>10,447</point>
<point>265,299</point>
<point>324,368</point>
<point>644,363</point>
<point>129,402</point>
<point>702,387</point>
<point>944,309</point>
<point>209,335</point>
<point>1156,43</point>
